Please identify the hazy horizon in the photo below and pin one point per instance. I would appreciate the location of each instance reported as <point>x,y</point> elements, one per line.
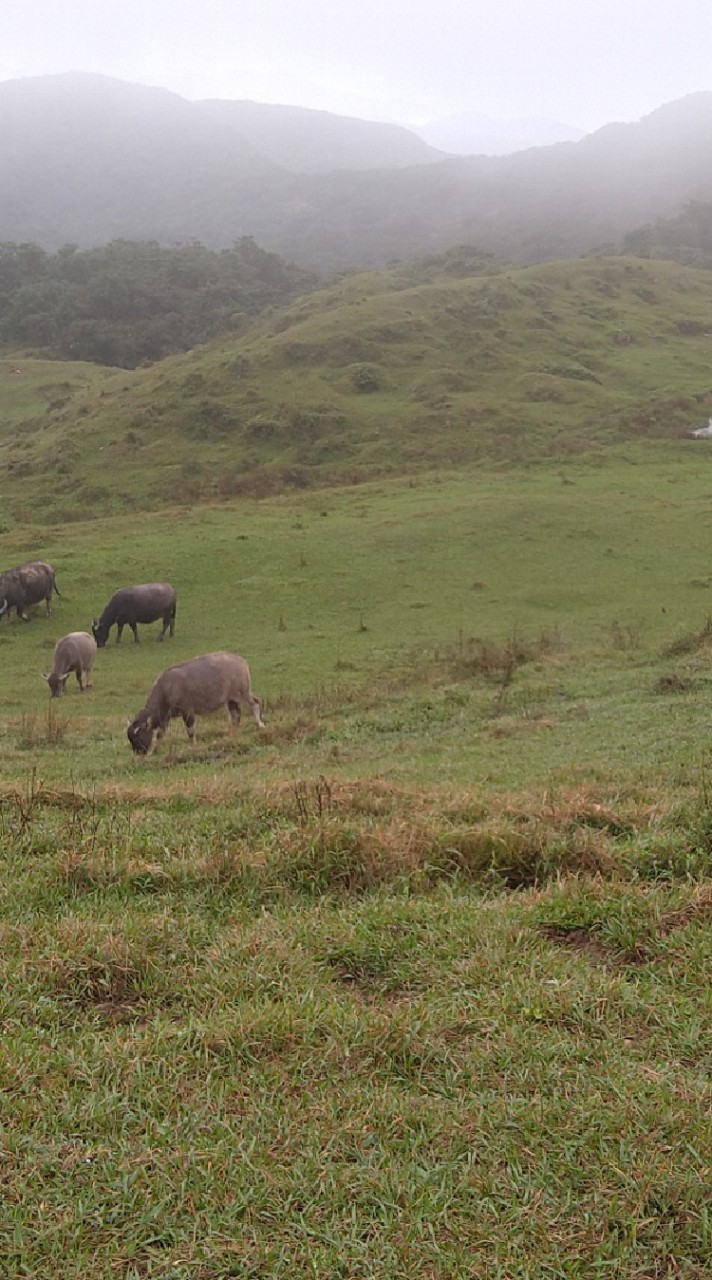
<point>576,62</point>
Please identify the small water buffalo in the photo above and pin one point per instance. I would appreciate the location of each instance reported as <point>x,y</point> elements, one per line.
<point>25,585</point>
<point>131,605</point>
<point>73,653</point>
<point>190,689</point>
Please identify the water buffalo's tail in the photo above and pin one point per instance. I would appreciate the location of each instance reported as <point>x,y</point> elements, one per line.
<point>54,584</point>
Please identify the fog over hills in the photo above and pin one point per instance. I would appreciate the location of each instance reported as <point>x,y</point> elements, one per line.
<point>471,133</point>
<point>85,159</point>
<point>307,141</point>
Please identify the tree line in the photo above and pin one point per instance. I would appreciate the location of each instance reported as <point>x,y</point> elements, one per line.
<point>128,302</point>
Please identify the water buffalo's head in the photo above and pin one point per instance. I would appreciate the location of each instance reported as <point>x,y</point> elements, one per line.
<point>56,683</point>
<point>100,633</point>
<point>140,733</point>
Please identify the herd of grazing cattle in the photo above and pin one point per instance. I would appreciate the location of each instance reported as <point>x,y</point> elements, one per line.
<point>187,689</point>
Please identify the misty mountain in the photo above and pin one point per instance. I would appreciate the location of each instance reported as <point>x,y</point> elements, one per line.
<point>536,205</point>
<point>470,134</point>
<point>306,141</point>
<point>86,159</point>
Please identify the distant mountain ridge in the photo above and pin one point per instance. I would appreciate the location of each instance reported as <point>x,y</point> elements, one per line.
<point>85,159</point>
<point>303,140</point>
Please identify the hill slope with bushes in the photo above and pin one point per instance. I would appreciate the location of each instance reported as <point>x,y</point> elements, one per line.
<point>384,374</point>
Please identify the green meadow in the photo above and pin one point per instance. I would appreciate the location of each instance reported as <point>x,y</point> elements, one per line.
<point>415,982</point>
<point>367,615</point>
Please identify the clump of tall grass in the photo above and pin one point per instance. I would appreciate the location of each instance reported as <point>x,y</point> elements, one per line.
<point>690,642</point>
<point>36,730</point>
<point>498,661</point>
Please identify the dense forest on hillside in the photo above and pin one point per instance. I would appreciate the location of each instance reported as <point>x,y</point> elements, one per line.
<point>129,301</point>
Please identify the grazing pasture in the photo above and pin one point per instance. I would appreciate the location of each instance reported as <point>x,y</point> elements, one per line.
<point>367,617</point>
<point>416,981</point>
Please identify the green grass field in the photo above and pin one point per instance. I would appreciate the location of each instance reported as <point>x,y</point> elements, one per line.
<point>415,983</point>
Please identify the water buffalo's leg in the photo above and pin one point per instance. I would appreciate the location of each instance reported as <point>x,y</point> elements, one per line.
<point>21,614</point>
<point>119,629</point>
<point>256,708</point>
<point>234,709</point>
<point>48,603</point>
<point>134,628</point>
<point>189,722</point>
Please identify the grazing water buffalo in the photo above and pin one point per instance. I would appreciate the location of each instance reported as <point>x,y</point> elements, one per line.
<point>194,688</point>
<point>73,653</point>
<point>27,584</point>
<point>130,605</point>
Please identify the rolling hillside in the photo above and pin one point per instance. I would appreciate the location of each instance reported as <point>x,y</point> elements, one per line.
<point>382,374</point>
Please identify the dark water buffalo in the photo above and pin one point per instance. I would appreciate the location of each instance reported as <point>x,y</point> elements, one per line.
<point>131,605</point>
<point>190,689</point>
<point>73,653</point>
<point>25,585</point>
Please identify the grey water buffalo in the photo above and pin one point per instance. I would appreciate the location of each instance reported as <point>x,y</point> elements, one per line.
<point>194,688</point>
<point>27,584</point>
<point>73,653</point>
<point>130,605</point>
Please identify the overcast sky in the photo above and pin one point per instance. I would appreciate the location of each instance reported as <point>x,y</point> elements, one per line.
<point>582,62</point>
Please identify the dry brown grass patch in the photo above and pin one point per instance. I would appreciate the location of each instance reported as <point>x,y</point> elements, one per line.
<point>588,943</point>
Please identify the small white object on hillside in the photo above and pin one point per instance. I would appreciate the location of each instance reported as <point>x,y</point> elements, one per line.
<point>702,433</point>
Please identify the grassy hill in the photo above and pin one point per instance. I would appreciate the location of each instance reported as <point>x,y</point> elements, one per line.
<point>380,374</point>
